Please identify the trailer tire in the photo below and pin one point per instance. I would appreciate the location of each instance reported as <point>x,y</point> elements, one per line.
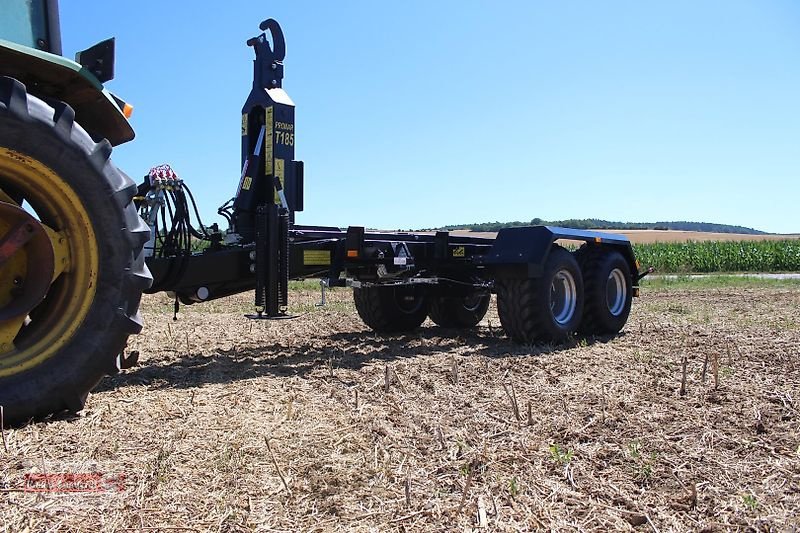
<point>547,308</point>
<point>74,334</point>
<point>459,311</point>
<point>391,309</point>
<point>608,291</point>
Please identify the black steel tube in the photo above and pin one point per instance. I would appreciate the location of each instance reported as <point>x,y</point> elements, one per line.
<point>262,256</point>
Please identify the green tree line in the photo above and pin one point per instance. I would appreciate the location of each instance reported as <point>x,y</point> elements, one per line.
<point>596,223</point>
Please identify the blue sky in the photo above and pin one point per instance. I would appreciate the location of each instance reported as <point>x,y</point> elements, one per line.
<point>419,113</point>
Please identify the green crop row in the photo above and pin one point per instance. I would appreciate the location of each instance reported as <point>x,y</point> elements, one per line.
<point>720,256</point>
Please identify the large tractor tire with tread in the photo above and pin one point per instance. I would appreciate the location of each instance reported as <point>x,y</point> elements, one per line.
<point>608,290</point>
<point>391,309</point>
<point>547,308</point>
<point>67,307</point>
<point>459,311</point>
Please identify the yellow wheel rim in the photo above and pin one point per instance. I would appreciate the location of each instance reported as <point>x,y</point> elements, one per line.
<point>27,341</point>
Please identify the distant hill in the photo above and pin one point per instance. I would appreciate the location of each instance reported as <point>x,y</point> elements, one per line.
<point>594,223</point>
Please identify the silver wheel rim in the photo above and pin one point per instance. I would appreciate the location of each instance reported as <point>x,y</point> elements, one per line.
<point>563,297</point>
<point>616,292</point>
<point>408,302</point>
<point>473,301</point>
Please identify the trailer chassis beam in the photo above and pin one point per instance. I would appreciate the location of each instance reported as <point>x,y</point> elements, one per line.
<point>439,261</point>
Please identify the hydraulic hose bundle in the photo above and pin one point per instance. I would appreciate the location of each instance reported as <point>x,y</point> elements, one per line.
<point>166,203</point>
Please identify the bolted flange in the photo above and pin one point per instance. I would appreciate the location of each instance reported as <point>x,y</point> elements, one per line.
<point>26,262</point>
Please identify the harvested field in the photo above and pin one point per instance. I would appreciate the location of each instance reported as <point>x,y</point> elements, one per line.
<point>317,424</point>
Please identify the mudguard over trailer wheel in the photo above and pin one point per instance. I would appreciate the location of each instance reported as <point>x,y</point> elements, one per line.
<point>459,311</point>
<point>608,290</point>
<point>69,296</point>
<point>547,308</point>
<point>391,309</point>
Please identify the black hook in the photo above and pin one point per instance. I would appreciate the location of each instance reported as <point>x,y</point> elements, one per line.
<point>278,50</point>
<point>268,65</point>
<point>278,41</point>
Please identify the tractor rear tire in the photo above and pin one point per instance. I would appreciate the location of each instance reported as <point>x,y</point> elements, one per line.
<point>51,167</point>
<point>608,290</point>
<point>391,309</point>
<point>547,308</point>
<point>459,312</point>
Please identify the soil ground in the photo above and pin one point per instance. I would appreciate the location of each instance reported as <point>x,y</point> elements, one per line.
<point>317,424</point>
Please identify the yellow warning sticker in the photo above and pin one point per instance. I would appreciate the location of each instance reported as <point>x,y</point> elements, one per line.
<point>316,257</point>
<point>269,143</point>
<point>244,125</point>
<point>279,173</point>
<point>248,181</point>
<point>459,251</point>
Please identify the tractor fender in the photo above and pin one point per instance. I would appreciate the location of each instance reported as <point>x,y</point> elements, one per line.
<point>49,76</point>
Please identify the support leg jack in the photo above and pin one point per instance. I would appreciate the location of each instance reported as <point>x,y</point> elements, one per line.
<point>261,315</point>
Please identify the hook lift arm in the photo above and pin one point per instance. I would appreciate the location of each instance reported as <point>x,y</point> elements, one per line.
<point>268,65</point>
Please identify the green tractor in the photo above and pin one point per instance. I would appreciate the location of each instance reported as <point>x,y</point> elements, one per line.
<point>72,269</point>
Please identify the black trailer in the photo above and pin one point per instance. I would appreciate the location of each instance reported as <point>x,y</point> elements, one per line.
<point>77,235</point>
<point>544,291</point>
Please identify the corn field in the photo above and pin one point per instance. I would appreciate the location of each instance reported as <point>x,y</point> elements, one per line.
<point>721,256</point>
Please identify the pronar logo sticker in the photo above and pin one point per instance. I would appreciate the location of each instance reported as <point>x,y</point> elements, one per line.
<point>459,251</point>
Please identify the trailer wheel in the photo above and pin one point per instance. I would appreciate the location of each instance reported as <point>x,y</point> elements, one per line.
<point>547,308</point>
<point>459,312</point>
<point>391,309</point>
<point>608,290</point>
<point>71,281</point>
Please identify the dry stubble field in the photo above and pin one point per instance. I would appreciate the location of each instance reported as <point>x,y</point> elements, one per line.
<point>470,431</point>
